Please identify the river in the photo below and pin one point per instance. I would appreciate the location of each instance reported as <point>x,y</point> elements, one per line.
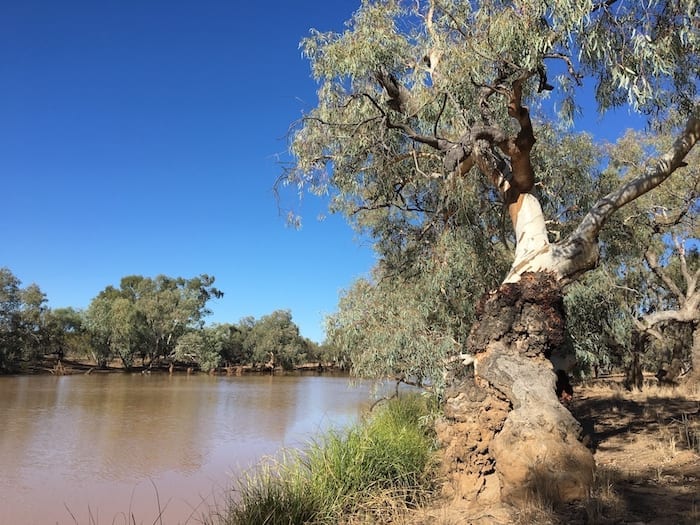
<point>99,449</point>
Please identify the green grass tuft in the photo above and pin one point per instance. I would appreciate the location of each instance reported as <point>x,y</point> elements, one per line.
<point>388,456</point>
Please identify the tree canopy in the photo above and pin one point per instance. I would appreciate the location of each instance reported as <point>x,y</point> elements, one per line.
<point>433,115</point>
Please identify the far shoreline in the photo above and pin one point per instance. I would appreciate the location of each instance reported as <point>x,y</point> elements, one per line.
<point>52,365</point>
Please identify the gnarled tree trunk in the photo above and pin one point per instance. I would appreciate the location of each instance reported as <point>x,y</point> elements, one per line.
<point>535,445</point>
<point>538,450</point>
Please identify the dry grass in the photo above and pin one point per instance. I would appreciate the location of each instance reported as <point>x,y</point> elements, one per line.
<point>646,449</point>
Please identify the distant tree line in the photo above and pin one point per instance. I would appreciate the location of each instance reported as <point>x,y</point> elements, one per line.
<point>145,322</point>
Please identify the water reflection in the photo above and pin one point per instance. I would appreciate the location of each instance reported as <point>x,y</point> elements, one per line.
<point>107,442</point>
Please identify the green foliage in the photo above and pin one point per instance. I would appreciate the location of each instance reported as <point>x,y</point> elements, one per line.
<point>275,338</point>
<point>389,453</point>
<point>441,239</point>
<point>10,304</point>
<point>200,347</point>
<point>145,317</point>
<point>65,333</point>
<point>659,229</point>
<point>599,323</point>
<point>22,322</point>
<point>229,341</point>
<point>154,319</point>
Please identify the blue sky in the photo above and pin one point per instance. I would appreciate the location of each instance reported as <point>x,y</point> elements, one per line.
<point>145,138</point>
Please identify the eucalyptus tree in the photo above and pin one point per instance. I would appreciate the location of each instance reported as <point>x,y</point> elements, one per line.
<point>112,322</point>
<point>647,281</point>
<point>274,339</point>
<point>10,305</point>
<point>66,333</point>
<point>146,316</point>
<point>654,246</point>
<point>169,307</point>
<point>201,347</point>
<point>23,314</point>
<point>33,314</point>
<point>427,118</point>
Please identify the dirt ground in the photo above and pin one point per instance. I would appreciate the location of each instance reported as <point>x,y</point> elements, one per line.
<point>647,450</point>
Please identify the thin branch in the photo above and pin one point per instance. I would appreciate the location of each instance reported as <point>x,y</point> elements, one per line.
<point>451,16</point>
<point>442,109</point>
<point>681,255</point>
<point>421,172</point>
<point>433,142</point>
<point>386,205</point>
<point>603,5</point>
<point>569,65</point>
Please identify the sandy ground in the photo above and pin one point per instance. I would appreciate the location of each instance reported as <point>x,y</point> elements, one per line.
<point>647,450</point>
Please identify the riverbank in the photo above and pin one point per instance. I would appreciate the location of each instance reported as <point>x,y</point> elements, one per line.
<point>57,366</point>
<point>646,446</point>
<point>115,444</point>
<point>374,472</point>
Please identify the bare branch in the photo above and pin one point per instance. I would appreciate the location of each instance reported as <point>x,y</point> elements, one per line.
<point>603,5</point>
<point>569,66</point>
<point>398,97</point>
<point>433,142</point>
<point>684,263</point>
<point>398,94</point>
<point>682,315</point>
<point>451,16</point>
<point>442,109</point>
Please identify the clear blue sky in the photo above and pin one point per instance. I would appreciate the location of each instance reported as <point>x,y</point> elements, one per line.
<point>144,137</point>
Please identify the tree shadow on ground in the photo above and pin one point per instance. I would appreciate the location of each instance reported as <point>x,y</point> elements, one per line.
<point>647,450</point>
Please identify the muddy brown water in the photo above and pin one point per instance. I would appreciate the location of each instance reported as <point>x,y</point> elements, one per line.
<point>103,449</point>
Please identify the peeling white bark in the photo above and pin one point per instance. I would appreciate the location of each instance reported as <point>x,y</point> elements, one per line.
<point>533,251</point>
<point>530,230</point>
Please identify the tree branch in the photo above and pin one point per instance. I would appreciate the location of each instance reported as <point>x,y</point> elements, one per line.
<point>683,315</point>
<point>569,65</point>
<point>398,94</point>
<point>655,174</point>
<point>689,280</point>
<point>654,266</point>
<point>398,98</point>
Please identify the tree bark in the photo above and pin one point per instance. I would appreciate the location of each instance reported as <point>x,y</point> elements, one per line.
<point>536,447</point>
<point>538,450</point>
